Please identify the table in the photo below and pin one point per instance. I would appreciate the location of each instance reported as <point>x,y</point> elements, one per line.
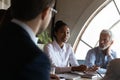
<point>73,76</point>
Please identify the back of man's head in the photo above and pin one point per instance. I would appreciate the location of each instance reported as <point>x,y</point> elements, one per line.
<point>29,9</point>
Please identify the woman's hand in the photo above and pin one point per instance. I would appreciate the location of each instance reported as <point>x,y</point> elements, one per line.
<point>80,68</point>
<point>53,76</point>
<point>93,69</point>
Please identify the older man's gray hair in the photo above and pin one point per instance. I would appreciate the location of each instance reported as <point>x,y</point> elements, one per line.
<point>109,32</point>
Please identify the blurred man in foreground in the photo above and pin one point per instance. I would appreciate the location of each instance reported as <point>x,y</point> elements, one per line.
<point>21,59</point>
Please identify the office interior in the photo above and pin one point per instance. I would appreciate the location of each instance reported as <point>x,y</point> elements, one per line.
<point>86,18</point>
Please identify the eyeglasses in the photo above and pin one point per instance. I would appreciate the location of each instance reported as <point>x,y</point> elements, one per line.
<point>52,9</point>
<point>53,12</point>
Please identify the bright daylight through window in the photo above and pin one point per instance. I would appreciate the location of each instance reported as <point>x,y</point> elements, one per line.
<point>107,18</point>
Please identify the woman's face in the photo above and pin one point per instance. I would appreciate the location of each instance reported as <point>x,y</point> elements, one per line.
<point>63,34</point>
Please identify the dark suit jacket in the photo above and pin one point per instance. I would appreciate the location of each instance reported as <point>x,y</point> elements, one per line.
<point>20,58</point>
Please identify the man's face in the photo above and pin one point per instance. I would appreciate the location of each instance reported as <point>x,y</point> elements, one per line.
<point>104,41</point>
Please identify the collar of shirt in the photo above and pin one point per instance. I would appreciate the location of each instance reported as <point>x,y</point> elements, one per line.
<point>58,47</point>
<point>26,28</point>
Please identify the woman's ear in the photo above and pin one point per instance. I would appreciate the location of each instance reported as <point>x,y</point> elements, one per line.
<point>45,13</point>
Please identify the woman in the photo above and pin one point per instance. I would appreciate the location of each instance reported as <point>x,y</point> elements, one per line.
<point>60,52</point>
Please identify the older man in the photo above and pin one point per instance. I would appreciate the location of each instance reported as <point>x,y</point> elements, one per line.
<point>98,57</point>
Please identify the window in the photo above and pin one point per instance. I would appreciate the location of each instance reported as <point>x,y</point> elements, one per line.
<point>4,4</point>
<point>107,18</point>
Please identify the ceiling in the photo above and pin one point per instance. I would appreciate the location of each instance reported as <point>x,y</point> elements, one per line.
<point>71,10</point>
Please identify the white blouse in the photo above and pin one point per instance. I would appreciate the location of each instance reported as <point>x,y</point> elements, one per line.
<point>60,57</point>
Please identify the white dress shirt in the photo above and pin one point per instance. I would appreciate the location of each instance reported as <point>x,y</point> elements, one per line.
<point>60,57</point>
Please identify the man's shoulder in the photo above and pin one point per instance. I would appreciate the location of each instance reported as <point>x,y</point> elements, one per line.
<point>93,49</point>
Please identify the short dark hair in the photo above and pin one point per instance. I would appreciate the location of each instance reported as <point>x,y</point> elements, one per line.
<point>29,9</point>
<point>59,24</point>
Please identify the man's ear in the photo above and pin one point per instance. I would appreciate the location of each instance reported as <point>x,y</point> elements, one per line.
<point>45,13</point>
